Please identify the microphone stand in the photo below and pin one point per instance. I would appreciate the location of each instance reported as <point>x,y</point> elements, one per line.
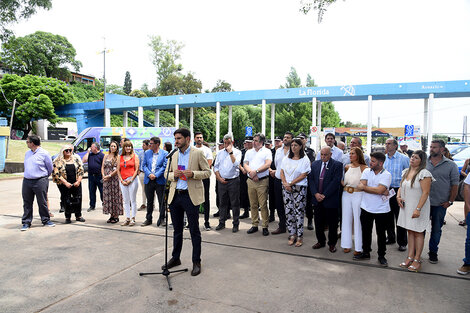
<point>165,271</point>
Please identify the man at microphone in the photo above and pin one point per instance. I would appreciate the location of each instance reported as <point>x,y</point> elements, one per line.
<point>188,168</point>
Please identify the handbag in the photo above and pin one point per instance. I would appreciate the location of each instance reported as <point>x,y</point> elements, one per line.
<point>73,200</point>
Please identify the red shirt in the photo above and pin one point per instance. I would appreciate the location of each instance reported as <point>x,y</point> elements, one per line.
<point>127,167</point>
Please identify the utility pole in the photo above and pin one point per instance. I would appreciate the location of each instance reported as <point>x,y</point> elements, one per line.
<point>104,82</point>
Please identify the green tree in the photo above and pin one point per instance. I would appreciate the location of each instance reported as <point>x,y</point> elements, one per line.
<point>41,54</point>
<point>12,11</point>
<point>85,93</point>
<point>115,89</point>
<point>37,98</point>
<point>137,93</point>
<point>150,93</point>
<point>128,83</point>
<point>222,86</point>
<point>165,56</point>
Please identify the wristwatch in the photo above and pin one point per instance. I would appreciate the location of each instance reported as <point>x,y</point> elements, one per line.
<point>419,209</point>
<point>231,152</point>
<point>450,202</point>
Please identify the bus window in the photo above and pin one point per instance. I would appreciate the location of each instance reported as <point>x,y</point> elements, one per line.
<point>85,144</point>
<point>106,141</point>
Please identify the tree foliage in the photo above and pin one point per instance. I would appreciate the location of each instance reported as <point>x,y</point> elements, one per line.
<point>315,5</point>
<point>37,98</point>
<point>41,54</point>
<point>165,56</point>
<point>127,83</point>
<point>12,11</point>
<point>137,93</point>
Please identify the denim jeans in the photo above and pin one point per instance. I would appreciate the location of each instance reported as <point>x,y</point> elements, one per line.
<point>466,260</point>
<point>94,181</point>
<point>437,220</point>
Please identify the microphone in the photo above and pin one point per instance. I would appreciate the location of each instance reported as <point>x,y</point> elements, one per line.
<point>171,153</point>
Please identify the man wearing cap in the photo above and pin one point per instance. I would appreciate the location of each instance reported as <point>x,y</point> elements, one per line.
<point>275,172</point>
<point>405,150</point>
<point>309,208</point>
<point>337,154</point>
<point>277,142</point>
<point>244,198</point>
<point>257,162</point>
<point>199,140</point>
<point>228,182</point>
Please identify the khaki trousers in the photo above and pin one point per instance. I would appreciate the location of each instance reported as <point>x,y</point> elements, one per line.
<point>258,195</point>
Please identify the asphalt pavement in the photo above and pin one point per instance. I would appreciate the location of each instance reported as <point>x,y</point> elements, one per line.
<point>95,266</point>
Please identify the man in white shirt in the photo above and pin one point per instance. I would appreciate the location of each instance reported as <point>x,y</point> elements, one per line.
<point>257,163</point>
<point>336,153</point>
<point>199,140</point>
<point>375,181</point>
<point>228,182</point>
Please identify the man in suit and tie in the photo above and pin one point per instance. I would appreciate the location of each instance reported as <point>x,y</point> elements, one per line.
<point>188,168</point>
<point>324,183</point>
<point>153,167</point>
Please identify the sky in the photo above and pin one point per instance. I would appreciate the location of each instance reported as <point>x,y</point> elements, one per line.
<point>253,44</point>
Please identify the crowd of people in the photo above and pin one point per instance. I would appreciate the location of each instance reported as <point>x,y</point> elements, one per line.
<point>404,193</point>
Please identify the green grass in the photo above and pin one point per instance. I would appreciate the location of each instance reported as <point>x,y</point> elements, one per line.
<point>18,148</point>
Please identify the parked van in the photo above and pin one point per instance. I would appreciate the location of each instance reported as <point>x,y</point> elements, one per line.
<point>105,135</point>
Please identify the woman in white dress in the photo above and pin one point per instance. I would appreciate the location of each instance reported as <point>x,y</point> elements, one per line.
<point>413,199</point>
<point>351,202</point>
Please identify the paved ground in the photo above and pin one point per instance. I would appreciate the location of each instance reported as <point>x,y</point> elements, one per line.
<point>94,267</point>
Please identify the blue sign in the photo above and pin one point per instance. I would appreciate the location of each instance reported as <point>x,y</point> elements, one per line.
<point>248,131</point>
<point>409,130</point>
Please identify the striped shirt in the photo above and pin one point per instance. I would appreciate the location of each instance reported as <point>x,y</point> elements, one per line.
<point>395,165</point>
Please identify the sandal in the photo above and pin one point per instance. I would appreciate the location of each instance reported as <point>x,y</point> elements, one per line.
<point>126,222</point>
<point>114,220</point>
<point>110,220</point>
<point>407,263</point>
<point>299,242</point>
<point>132,222</point>
<point>291,240</point>
<point>346,250</point>
<point>413,268</point>
<point>462,223</point>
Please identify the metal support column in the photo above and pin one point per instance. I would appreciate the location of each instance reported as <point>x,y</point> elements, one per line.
<point>107,117</point>
<point>217,125</point>
<point>319,125</point>
<point>263,117</point>
<point>177,116</point>
<point>191,123</point>
<point>156,121</point>
<point>230,119</point>
<point>314,140</point>
<point>430,121</point>
<point>273,118</point>
<point>140,115</point>
<point>125,119</point>
<point>369,125</point>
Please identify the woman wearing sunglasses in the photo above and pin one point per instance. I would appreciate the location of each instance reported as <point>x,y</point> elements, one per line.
<point>127,171</point>
<point>112,197</point>
<point>68,174</point>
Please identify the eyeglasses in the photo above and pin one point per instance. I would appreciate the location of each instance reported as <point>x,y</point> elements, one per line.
<point>68,150</point>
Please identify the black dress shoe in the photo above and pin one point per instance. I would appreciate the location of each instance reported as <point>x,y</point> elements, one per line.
<point>362,256</point>
<point>172,263</point>
<point>310,225</point>
<point>220,227</point>
<point>244,215</point>
<point>90,209</point>
<point>196,269</point>
<point>235,229</point>
<point>146,223</point>
<point>390,241</point>
<point>80,219</point>
<point>401,248</point>
<point>318,246</point>
<point>265,232</point>
<point>68,221</point>
<point>159,222</point>
<point>252,230</point>
<point>217,214</point>
<point>332,249</point>
<point>278,231</point>
<point>383,261</point>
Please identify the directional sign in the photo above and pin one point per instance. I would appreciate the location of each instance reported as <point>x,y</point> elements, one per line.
<point>409,130</point>
<point>248,131</point>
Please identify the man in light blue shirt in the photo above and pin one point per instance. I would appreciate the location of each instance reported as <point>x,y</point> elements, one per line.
<point>395,163</point>
<point>228,182</point>
<point>37,168</point>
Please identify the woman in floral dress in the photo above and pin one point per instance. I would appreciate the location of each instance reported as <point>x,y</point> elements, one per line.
<point>112,197</point>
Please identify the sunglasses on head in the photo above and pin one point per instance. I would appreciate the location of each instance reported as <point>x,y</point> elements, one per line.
<point>68,150</point>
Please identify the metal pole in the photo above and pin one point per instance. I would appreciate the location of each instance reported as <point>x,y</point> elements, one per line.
<point>313,140</point>
<point>319,125</point>
<point>191,123</point>
<point>369,125</point>
<point>177,116</point>
<point>230,119</point>
<point>217,125</point>
<point>104,94</point>
<point>263,117</point>
<point>430,120</point>
<point>11,126</point>
<point>273,118</point>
